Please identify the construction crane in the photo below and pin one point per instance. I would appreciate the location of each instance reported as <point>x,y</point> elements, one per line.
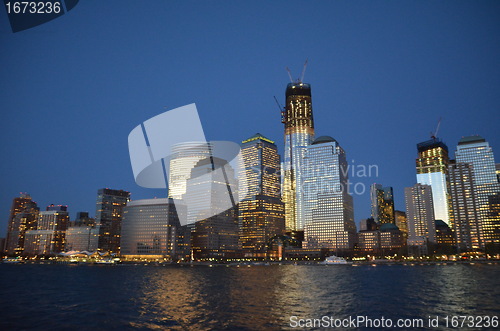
<point>282,110</point>
<point>301,78</point>
<point>435,133</point>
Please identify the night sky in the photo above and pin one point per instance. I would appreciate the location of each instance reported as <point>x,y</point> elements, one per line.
<point>382,74</point>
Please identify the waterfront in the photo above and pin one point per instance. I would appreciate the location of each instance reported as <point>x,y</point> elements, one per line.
<point>57,297</point>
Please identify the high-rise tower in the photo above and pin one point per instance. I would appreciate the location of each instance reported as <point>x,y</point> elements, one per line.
<point>328,207</point>
<point>109,213</point>
<point>464,206</point>
<point>432,169</point>
<point>299,133</point>
<point>420,216</point>
<point>23,217</point>
<point>261,214</point>
<point>382,199</point>
<point>476,151</point>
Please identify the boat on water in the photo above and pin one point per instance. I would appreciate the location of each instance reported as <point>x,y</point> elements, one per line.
<point>105,261</point>
<point>335,260</point>
<point>12,260</point>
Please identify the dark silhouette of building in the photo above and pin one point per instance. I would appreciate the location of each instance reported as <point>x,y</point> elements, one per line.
<point>109,213</point>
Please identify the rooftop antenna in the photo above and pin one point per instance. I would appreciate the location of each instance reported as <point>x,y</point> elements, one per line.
<point>434,135</point>
<point>301,80</point>
<point>289,74</point>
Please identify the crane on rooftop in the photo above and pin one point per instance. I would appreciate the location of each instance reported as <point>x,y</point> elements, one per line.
<point>435,133</point>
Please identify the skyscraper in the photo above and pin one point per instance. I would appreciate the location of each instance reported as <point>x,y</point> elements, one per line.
<point>261,211</point>
<point>299,133</point>
<point>211,195</point>
<point>432,169</point>
<point>183,158</point>
<point>420,216</point>
<point>476,151</point>
<point>328,215</point>
<point>464,206</point>
<point>23,217</point>
<point>109,213</point>
<point>382,200</point>
<point>149,229</point>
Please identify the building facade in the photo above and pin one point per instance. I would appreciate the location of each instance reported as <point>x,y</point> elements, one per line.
<point>109,213</point>
<point>401,223</point>
<point>432,169</point>
<point>420,216</point>
<point>149,229</point>
<point>49,237</point>
<point>184,157</point>
<point>382,204</point>
<point>212,211</point>
<point>464,206</point>
<point>23,217</point>
<point>476,151</point>
<point>299,133</point>
<point>82,234</point>
<point>261,211</point>
<point>328,214</point>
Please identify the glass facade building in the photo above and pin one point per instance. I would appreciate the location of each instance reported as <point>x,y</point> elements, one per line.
<point>299,133</point>
<point>328,214</point>
<point>211,198</point>
<point>184,157</point>
<point>476,151</point>
<point>382,203</point>
<point>432,169</point>
<point>464,206</point>
<point>149,229</point>
<point>261,211</point>
<point>109,213</point>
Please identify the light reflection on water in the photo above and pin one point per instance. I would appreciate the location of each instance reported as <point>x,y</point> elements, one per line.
<point>251,298</point>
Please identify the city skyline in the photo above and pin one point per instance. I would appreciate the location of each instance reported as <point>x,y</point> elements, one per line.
<point>389,83</point>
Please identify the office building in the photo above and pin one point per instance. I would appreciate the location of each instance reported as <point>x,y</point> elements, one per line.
<point>184,156</point>
<point>400,221</point>
<point>476,151</point>
<point>432,169</point>
<point>149,229</point>
<point>49,237</point>
<point>109,213</point>
<point>328,214</point>
<point>211,195</point>
<point>82,234</point>
<point>464,207</point>
<point>369,241</point>
<point>23,217</point>
<point>420,217</point>
<point>261,211</point>
<point>299,133</point>
<point>445,238</point>
<point>382,204</point>
<point>391,239</point>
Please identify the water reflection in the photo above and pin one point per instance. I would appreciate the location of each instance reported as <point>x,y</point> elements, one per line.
<point>245,298</point>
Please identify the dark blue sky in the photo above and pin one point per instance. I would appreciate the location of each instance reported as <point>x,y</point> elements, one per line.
<point>382,73</point>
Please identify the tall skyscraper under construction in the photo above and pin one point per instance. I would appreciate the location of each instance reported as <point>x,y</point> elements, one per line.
<point>299,133</point>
